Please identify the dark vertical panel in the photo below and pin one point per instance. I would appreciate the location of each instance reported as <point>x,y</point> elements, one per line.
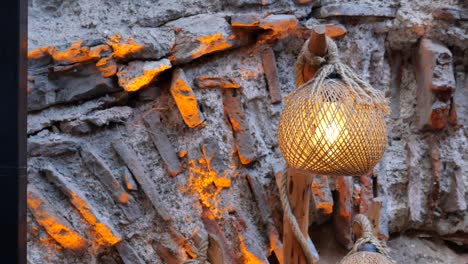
<point>13,52</point>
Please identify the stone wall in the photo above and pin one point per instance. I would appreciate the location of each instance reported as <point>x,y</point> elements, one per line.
<point>152,125</point>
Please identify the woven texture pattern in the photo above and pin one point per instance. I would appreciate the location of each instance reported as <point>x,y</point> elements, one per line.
<point>366,258</point>
<point>333,126</point>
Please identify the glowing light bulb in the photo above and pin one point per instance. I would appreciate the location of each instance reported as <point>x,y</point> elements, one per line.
<point>330,124</point>
<point>331,131</point>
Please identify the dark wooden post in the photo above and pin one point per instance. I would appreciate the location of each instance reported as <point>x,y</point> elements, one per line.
<point>317,46</point>
<point>299,183</point>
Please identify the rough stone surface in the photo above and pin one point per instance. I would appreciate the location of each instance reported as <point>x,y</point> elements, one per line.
<point>74,56</point>
<point>77,82</point>
<point>359,10</point>
<point>436,83</point>
<point>138,74</point>
<point>273,26</point>
<point>200,35</point>
<point>55,225</point>
<point>271,74</point>
<point>185,99</point>
<point>142,43</point>
<point>216,82</point>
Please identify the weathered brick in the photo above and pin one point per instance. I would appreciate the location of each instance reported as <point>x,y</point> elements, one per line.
<point>395,59</point>
<point>170,252</point>
<point>450,14</point>
<point>161,142</point>
<point>127,253</point>
<point>54,224</point>
<point>353,9</point>
<point>434,190</point>
<point>130,158</point>
<point>251,251</point>
<point>200,35</point>
<point>273,26</point>
<point>117,114</point>
<point>415,191</point>
<point>51,147</point>
<point>436,83</point>
<point>343,211</point>
<point>366,194</point>
<point>271,74</point>
<point>107,66</point>
<point>241,3</point>
<point>149,93</point>
<point>267,218</point>
<point>245,143</point>
<point>455,200</point>
<point>216,82</point>
<point>75,127</point>
<point>142,43</point>
<point>138,74</point>
<point>38,58</point>
<point>64,84</point>
<point>185,99</point>
<point>321,195</point>
<point>100,169</point>
<point>180,239</point>
<point>303,2</point>
<point>218,251</point>
<point>77,52</point>
<point>129,181</point>
<point>104,234</point>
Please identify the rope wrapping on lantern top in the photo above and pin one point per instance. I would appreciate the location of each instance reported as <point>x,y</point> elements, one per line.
<point>331,63</point>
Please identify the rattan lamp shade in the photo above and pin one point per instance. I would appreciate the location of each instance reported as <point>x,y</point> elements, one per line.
<point>327,131</point>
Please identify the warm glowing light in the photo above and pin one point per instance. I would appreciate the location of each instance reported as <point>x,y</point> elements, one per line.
<point>330,132</point>
<point>328,127</point>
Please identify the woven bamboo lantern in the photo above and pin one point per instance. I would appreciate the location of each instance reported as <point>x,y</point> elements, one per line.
<point>334,123</point>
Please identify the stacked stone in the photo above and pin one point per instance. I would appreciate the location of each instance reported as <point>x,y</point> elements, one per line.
<point>120,118</point>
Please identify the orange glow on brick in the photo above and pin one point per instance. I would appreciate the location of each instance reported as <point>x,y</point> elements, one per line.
<point>326,205</point>
<point>76,53</point>
<point>105,236</point>
<point>61,233</point>
<point>38,53</point>
<point>204,181</point>
<point>135,84</point>
<point>209,44</point>
<point>249,257</point>
<point>125,48</point>
<point>95,52</point>
<point>185,100</point>
<point>107,67</point>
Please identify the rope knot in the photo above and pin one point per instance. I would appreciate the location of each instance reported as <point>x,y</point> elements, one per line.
<point>332,56</point>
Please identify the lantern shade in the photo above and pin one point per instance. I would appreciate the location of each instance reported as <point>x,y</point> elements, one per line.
<point>328,132</point>
<point>366,258</point>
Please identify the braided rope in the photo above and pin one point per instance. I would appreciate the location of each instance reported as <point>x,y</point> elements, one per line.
<point>202,256</point>
<point>368,237</point>
<point>293,221</point>
<point>363,92</point>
